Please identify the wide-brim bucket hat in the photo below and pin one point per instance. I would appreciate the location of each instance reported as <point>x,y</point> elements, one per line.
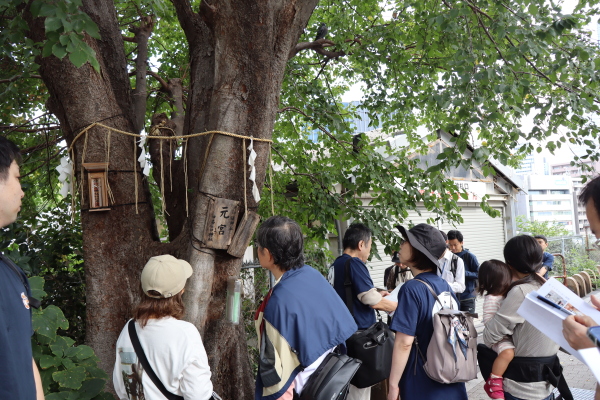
<point>426,239</point>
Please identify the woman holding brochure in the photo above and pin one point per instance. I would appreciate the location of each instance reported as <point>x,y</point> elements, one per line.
<point>524,256</point>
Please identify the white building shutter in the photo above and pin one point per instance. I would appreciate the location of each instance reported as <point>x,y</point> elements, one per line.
<point>483,235</point>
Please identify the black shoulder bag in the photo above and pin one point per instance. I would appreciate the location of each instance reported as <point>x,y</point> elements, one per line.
<point>135,341</point>
<point>373,346</point>
<point>331,380</point>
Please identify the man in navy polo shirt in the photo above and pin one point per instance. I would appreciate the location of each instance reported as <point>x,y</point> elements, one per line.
<point>19,376</point>
<point>365,297</point>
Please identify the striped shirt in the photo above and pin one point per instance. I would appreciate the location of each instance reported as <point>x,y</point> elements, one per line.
<point>491,304</point>
<point>529,342</point>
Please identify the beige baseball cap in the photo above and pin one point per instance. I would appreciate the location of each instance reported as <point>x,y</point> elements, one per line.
<point>166,275</point>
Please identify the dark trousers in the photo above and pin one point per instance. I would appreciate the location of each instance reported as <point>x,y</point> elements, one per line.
<point>468,305</point>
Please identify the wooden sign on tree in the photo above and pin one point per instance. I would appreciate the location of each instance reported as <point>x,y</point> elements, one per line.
<point>221,218</point>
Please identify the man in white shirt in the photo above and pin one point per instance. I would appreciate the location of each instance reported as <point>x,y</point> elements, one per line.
<point>452,270</point>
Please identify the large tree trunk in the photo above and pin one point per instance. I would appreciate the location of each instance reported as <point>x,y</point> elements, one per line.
<point>238,54</point>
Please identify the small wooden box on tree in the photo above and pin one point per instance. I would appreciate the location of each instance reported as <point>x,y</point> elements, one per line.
<point>98,186</point>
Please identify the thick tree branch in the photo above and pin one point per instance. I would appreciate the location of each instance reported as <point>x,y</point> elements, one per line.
<point>44,163</point>
<point>187,18</point>
<point>164,85</point>
<point>17,77</point>
<point>318,46</point>
<point>175,88</point>
<point>12,128</point>
<point>142,34</point>
<point>42,146</point>
<point>322,129</point>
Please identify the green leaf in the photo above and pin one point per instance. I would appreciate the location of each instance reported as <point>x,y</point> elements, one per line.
<point>47,361</point>
<point>48,320</point>
<point>96,372</point>
<point>59,50</point>
<point>46,9</point>
<point>53,24</point>
<point>36,283</point>
<point>84,352</point>
<point>67,26</point>
<point>78,57</point>
<point>90,27</point>
<point>58,396</point>
<point>64,39</point>
<point>91,388</point>
<point>71,378</point>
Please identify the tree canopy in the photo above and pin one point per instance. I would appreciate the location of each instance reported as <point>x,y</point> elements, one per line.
<point>474,68</point>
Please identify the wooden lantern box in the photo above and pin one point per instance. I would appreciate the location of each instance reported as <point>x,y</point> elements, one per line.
<point>98,186</point>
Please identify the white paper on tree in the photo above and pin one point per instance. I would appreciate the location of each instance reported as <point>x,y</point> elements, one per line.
<point>549,320</point>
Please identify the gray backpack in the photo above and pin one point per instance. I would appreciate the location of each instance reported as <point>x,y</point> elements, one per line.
<point>452,351</point>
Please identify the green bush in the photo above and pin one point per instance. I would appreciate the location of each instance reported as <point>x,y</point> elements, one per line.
<point>68,372</point>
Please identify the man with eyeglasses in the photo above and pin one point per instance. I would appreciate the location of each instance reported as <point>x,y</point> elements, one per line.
<point>575,327</point>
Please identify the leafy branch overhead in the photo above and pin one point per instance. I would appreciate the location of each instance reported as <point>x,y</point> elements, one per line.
<point>472,68</point>
<point>478,70</point>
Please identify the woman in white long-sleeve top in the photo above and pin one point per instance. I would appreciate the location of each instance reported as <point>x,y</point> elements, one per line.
<point>173,347</point>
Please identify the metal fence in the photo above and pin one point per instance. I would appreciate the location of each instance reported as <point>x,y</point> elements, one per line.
<point>578,251</point>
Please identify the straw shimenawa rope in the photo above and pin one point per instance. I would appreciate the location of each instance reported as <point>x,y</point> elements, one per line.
<point>153,135</point>
<point>87,128</point>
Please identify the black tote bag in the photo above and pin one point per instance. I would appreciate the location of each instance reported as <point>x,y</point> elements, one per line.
<point>373,346</point>
<point>331,380</point>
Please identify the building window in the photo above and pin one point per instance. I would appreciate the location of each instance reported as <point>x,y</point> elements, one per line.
<point>559,192</point>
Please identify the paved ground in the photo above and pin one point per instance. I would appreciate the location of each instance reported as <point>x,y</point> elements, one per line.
<point>576,373</point>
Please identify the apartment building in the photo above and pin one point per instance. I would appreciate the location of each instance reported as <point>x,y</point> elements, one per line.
<point>575,172</point>
<point>551,198</point>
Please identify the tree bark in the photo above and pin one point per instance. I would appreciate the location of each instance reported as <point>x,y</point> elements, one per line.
<point>238,54</point>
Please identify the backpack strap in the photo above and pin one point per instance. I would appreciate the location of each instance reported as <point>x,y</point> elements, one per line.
<point>135,341</point>
<point>454,265</point>
<point>431,291</point>
<point>348,286</point>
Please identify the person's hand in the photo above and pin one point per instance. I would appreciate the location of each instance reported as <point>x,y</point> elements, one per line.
<point>386,305</point>
<point>384,293</point>
<point>575,331</point>
<point>595,301</point>
<point>393,392</point>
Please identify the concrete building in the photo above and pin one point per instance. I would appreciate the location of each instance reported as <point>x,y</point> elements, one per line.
<point>550,198</point>
<point>574,171</point>
<point>534,164</point>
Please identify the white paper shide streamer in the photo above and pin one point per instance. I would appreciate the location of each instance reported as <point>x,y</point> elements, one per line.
<point>65,175</point>
<point>251,159</point>
<point>144,165</point>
